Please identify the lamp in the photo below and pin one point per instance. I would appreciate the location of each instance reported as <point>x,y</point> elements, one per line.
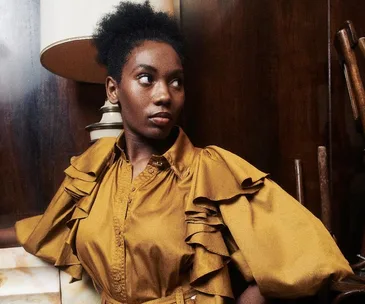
<point>110,125</point>
<point>67,49</point>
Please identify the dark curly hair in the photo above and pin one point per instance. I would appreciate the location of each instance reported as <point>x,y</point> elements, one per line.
<point>119,32</point>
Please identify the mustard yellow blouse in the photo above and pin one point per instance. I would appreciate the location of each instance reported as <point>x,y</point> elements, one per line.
<point>177,225</point>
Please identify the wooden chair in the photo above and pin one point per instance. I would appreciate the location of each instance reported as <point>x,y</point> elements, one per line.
<point>352,289</point>
<point>346,44</point>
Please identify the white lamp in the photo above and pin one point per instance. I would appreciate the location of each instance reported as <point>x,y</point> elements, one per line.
<point>110,125</point>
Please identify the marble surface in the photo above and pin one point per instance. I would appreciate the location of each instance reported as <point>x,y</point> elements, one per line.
<point>25,278</point>
<point>45,298</point>
<point>16,257</point>
<point>36,280</point>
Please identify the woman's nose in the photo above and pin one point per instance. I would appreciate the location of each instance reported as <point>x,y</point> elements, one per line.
<point>161,94</point>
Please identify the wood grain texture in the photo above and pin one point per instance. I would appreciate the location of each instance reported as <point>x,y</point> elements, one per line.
<point>347,166</point>
<point>257,84</point>
<point>324,187</point>
<point>43,116</point>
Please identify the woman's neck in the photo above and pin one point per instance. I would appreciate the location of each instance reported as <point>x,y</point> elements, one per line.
<point>139,149</point>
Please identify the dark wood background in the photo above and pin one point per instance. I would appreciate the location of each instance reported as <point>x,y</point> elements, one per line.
<point>263,81</point>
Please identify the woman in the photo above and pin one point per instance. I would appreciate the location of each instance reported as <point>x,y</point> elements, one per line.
<point>150,217</point>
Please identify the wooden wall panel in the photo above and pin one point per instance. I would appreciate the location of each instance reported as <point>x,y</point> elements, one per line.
<point>257,83</point>
<point>43,116</point>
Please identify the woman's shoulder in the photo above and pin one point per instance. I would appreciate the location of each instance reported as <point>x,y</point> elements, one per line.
<point>220,174</point>
<point>221,159</point>
<point>94,159</point>
<point>97,153</point>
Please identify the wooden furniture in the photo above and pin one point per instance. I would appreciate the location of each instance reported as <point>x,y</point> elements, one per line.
<point>347,45</point>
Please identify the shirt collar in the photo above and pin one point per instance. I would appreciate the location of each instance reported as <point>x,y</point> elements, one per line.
<point>179,157</point>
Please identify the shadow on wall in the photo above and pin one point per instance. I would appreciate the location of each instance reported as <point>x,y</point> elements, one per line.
<point>43,130</point>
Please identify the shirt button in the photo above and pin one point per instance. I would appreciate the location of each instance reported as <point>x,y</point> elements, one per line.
<point>117,277</point>
<point>118,288</point>
<point>159,163</point>
<point>129,201</point>
<point>120,241</point>
<point>133,189</point>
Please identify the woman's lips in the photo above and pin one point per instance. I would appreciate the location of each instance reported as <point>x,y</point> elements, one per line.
<point>161,119</point>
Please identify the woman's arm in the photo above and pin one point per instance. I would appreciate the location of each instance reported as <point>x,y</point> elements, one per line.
<point>8,238</point>
<point>251,295</point>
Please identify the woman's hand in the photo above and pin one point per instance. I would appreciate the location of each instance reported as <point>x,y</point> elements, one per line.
<point>8,237</point>
<point>251,295</point>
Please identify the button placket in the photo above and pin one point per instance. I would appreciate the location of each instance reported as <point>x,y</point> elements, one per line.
<point>151,170</point>
<point>120,206</point>
<point>125,195</point>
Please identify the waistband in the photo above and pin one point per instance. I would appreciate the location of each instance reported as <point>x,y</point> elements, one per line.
<point>178,297</point>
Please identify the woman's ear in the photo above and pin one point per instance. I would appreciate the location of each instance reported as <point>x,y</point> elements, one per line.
<point>111,87</point>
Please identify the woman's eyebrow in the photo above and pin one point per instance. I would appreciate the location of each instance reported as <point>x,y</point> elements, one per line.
<point>146,67</point>
<point>176,71</point>
<point>152,69</point>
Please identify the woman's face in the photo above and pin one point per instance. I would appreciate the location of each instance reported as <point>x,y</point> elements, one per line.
<point>151,90</point>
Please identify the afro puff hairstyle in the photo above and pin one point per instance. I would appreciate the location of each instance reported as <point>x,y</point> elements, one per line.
<point>118,33</point>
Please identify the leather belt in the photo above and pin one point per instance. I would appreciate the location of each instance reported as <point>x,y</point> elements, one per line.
<point>178,297</point>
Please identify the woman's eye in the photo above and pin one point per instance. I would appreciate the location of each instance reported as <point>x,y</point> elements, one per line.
<point>176,83</point>
<point>145,79</point>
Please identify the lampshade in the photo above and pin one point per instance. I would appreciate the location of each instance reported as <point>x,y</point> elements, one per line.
<point>66,29</point>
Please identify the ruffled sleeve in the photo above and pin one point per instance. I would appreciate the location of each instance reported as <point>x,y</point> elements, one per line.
<point>271,237</point>
<point>51,236</point>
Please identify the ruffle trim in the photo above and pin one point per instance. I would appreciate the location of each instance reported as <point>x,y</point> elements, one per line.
<point>84,173</point>
<point>219,177</point>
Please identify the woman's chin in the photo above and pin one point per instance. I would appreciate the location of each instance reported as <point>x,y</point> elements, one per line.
<point>153,133</point>
<point>159,133</point>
